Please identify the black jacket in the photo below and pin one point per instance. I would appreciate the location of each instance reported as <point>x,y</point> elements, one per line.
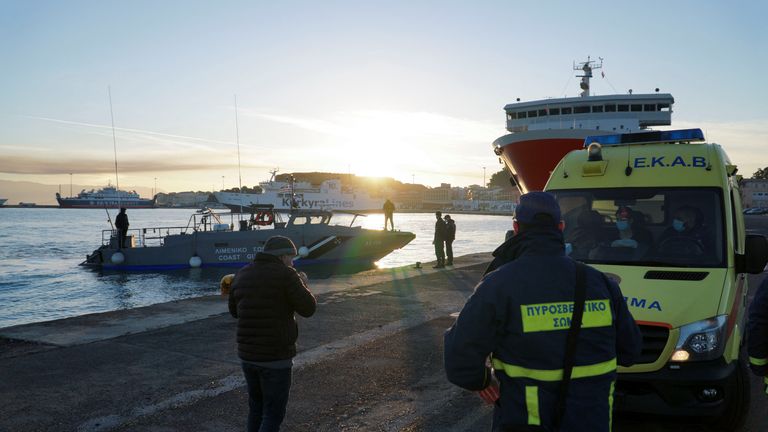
<point>450,231</point>
<point>440,230</point>
<point>519,314</point>
<point>121,221</point>
<point>264,296</point>
<point>757,329</point>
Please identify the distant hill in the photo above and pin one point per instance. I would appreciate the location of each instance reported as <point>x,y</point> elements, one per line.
<point>38,193</point>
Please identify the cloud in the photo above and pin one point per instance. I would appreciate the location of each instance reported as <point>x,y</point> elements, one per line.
<point>36,165</point>
<point>144,136</point>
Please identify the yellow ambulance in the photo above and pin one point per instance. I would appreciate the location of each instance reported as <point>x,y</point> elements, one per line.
<point>660,213</point>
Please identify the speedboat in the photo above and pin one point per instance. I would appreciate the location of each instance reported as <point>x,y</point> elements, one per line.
<point>207,241</point>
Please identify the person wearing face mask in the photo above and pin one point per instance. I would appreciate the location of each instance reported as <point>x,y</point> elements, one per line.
<point>687,234</point>
<point>631,234</point>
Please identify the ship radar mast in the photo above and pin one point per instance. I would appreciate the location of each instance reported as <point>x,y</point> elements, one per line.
<point>587,67</point>
<point>273,171</point>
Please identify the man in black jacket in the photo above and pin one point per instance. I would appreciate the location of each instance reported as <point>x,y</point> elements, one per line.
<point>264,296</point>
<point>439,240</point>
<point>450,236</point>
<point>121,223</point>
<point>757,343</point>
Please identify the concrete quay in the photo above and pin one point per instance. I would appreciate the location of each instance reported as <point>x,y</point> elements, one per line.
<point>369,360</point>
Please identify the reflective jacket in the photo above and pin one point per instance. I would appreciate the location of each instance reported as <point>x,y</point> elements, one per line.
<point>519,315</point>
<point>757,331</point>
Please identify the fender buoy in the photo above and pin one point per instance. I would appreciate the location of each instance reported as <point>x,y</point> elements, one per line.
<point>303,251</point>
<point>195,262</point>
<point>264,218</point>
<point>117,258</point>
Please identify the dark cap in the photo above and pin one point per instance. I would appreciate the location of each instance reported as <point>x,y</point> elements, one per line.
<point>279,245</point>
<point>438,213</point>
<point>537,203</point>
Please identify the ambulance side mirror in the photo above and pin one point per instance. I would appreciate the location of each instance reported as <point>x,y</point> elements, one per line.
<point>755,255</point>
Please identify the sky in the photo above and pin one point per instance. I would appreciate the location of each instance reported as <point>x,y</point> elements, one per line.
<point>413,90</point>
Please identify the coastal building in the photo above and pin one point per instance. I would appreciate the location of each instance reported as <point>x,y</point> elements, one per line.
<point>754,193</point>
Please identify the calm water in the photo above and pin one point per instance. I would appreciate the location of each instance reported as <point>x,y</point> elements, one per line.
<point>40,250</point>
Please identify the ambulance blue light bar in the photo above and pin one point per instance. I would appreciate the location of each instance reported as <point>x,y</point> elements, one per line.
<point>679,135</point>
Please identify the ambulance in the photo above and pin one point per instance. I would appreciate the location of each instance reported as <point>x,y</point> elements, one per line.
<point>660,213</point>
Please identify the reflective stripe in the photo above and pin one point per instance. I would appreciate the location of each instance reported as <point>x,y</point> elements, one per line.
<point>557,316</point>
<point>766,385</point>
<point>514,371</point>
<point>532,404</point>
<point>758,361</point>
<point>610,406</point>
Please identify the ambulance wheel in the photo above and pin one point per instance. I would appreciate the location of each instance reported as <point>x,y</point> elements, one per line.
<point>737,404</point>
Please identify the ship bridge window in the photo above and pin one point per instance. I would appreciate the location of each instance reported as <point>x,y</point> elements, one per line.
<point>511,116</point>
<point>610,108</point>
<point>554,111</point>
<point>663,107</point>
<point>532,113</point>
<point>597,108</point>
<point>623,108</point>
<point>567,110</point>
<point>649,107</point>
<point>542,112</point>
<point>521,115</point>
<point>637,107</point>
<point>581,109</point>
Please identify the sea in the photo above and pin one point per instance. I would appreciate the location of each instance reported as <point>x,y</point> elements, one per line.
<point>40,249</point>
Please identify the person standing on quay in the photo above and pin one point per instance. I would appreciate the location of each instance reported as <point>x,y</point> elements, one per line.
<point>520,316</point>
<point>439,240</point>
<point>389,211</point>
<point>450,236</point>
<point>121,223</point>
<point>264,296</point>
<point>757,343</point>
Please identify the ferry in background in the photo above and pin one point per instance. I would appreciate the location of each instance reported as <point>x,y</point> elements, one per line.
<point>2,201</point>
<point>107,197</point>
<point>543,131</point>
<point>329,195</point>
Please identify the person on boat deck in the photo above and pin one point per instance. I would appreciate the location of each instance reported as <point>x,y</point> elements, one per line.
<point>630,231</point>
<point>389,211</point>
<point>121,223</point>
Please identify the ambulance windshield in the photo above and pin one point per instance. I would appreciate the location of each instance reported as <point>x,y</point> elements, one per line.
<point>674,227</point>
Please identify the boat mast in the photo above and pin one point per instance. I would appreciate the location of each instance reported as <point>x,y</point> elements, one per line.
<point>114,145</point>
<point>239,172</point>
<point>587,67</point>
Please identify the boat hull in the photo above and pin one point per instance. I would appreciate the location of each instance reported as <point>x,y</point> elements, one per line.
<point>336,247</point>
<point>90,203</point>
<point>531,156</point>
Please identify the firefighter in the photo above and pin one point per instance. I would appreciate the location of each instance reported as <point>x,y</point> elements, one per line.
<point>519,315</point>
<point>757,331</point>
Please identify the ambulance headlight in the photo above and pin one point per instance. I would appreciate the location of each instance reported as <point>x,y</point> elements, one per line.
<point>701,340</point>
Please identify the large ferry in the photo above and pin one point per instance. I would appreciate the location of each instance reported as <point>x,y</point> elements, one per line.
<point>2,201</point>
<point>543,131</point>
<point>107,197</point>
<point>329,195</point>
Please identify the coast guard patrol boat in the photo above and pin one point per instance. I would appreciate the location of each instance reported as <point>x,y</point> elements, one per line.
<point>207,241</point>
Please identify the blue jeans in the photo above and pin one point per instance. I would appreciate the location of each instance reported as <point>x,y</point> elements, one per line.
<point>267,396</point>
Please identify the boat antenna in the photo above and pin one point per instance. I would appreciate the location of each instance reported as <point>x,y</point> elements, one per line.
<point>587,67</point>
<point>114,145</point>
<point>239,172</point>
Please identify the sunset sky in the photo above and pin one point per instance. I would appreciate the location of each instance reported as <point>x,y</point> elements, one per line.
<point>413,90</point>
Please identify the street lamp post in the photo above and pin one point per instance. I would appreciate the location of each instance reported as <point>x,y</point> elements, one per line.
<point>484,185</point>
<point>155,191</point>
<point>70,184</point>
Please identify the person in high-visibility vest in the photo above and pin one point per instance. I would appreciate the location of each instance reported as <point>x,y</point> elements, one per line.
<point>519,316</point>
<point>757,333</point>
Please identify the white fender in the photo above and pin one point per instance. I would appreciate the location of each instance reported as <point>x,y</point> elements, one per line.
<point>117,258</point>
<point>195,261</point>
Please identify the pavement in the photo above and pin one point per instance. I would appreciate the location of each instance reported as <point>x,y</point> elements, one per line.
<point>370,359</point>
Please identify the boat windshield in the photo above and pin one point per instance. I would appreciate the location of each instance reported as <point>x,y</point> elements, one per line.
<point>668,227</point>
